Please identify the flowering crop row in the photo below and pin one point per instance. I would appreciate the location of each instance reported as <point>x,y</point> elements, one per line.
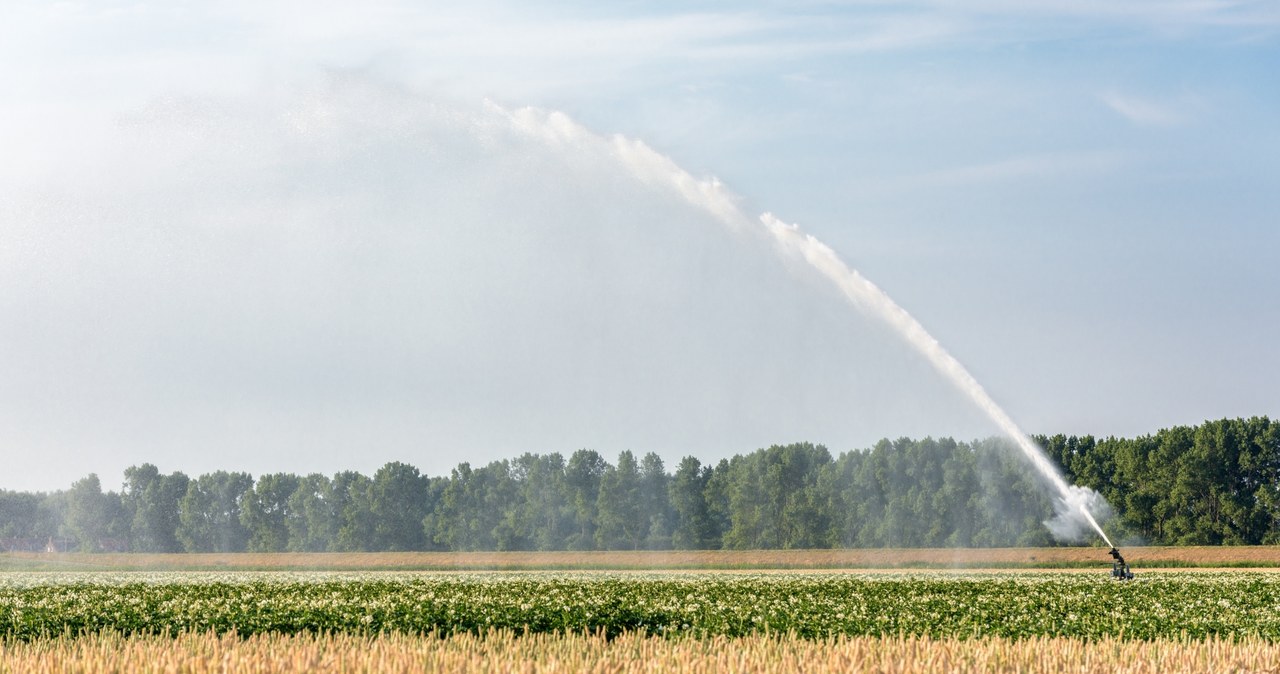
<point>1233,605</point>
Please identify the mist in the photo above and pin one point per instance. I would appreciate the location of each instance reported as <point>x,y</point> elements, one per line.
<point>340,275</point>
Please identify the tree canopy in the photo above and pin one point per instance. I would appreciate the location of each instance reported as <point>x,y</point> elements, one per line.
<point>1216,483</point>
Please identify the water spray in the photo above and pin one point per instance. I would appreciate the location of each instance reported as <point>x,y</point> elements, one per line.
<point>710,195</point>
<point>864,294</point>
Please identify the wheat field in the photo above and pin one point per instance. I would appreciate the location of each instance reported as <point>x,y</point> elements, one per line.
<point>505,651</point>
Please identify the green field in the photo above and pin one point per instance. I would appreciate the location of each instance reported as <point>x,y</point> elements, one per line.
<point>809,605</point>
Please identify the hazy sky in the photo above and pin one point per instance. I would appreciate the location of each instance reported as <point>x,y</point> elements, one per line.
<point>319,236</point>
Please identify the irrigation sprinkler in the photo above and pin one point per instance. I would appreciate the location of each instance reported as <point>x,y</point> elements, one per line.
<point>1120,569</point>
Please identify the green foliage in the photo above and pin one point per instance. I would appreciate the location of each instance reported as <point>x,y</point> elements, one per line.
<point>694,528</point>
<point>209,513</point>
<point>398,502</point>
<point>92,516</point>
<point>313,516</point>
<point>1213,484</point>
<point>152,502</point>
<point>582,481</point>
<point>265,512</point>
<point>621,523</point>
<point>1217,483</point>
<point>1158,606</point>
<point>29,516</point>
<point>353,499</point>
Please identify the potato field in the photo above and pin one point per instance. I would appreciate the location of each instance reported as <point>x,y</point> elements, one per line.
<point>674,617</point>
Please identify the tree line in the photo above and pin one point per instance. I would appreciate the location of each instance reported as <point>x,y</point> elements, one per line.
<point>1214,483</point>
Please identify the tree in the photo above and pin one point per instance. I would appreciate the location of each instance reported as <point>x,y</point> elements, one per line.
<point>1141,485</point>
<point>719,505</point>
<point>265,512</point>
<point>398,502</point>
<point>313,517</point>
<point>957,500</point>
<point>693,528</point>
<point>500,496</point>
<point>151,499</point>
<point>655,502</point>
<point>87,513</point>
<point>209,513</point>
<point>473,512</point>
<point>1218,482</point>
<point>582,480</point>
<point>32,518</point>
<point>804,518</point>
<point>621,523</point>
<point>1263,481</point>
<point>774,499</point>
<point>1015,503</point>
<point>352,497</point>
<point>544,498</point>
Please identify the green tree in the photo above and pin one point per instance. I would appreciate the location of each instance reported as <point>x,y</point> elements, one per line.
<point>621,523</point>
<point>399,500</point>
<point>353,498</point>
<point>545,500</point>
<point>32,517</point>
<point>582,481</point>
<point>655,502</point>
<point>719,502</point>
<point>775,501</point>
<point>692,529</point>
<point>264,512</point>
<point>958,499</point>
<point>87,513</point>
<point>313,517</point>
<point>1015,503</point>
<point>209,513</point>
<point>151,500</point>
<point>475,510</point>
<point>1261,464</point>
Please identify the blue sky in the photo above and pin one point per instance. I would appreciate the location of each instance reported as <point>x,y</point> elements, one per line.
<point>1079,199</point>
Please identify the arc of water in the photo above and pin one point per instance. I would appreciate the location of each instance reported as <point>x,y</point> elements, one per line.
<point>712,197</point>
<point>868,296</point>
<point>653,168</point>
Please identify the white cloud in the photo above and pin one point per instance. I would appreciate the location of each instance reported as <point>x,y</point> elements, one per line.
<point>1159,14</point>
<point>1144,111</point>
<point>1015,169</point>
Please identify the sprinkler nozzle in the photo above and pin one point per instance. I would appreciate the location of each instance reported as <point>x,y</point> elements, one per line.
<point>1120,570</point>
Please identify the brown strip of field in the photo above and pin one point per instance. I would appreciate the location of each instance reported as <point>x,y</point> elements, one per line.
<point>895,558</point>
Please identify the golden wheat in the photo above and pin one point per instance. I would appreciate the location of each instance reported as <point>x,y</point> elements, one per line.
<point>508,652</point>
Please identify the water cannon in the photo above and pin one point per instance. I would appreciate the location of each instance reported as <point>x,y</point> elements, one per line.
<point>1120,569</point>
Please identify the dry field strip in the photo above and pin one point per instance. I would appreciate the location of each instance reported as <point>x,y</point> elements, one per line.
<point>1256,557</point>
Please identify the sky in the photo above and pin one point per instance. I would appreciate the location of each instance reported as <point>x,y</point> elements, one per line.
<point>319,236</point>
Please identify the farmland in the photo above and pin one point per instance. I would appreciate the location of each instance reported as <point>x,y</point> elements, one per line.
<point>1009,605</point>
<point>1150,557</point>
<point>624,621</point>
<point>633,653</point>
